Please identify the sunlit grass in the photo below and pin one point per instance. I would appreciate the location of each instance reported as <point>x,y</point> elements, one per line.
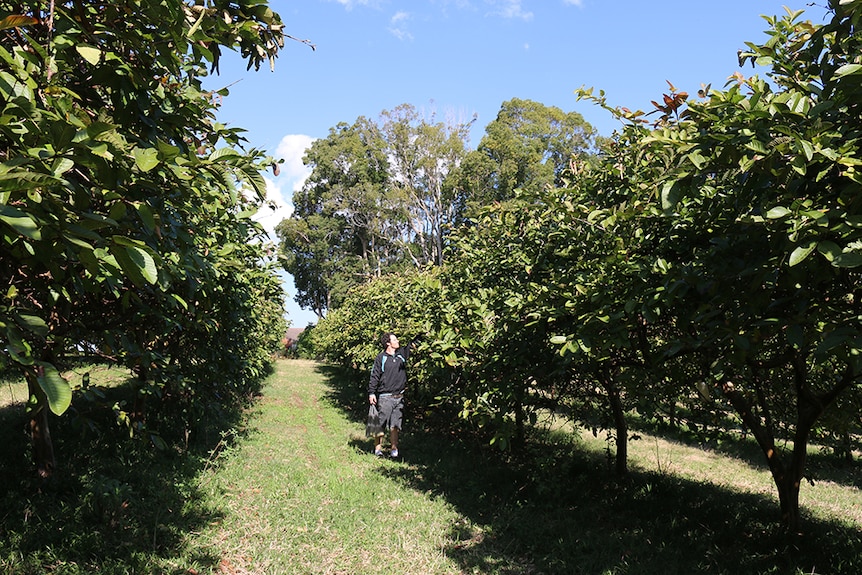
<point>742,470</point>
<point>303,495</point>
<point>295,489</point>
<point>14,390</point>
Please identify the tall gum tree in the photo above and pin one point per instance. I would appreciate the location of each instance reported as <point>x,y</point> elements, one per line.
<point>527,146</point>
<point>344,224</point>
<point>379,200</point>
<point>423,154</point>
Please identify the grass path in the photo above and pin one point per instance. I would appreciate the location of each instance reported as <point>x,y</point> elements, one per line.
<point>301,494</point>
<point>296,490</point>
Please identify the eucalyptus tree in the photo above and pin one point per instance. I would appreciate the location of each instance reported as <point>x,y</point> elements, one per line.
<point>423,154</point>
<point>345,224</point>
<point>378,200</point>
<point>527,146</point>
<point>112,188</point>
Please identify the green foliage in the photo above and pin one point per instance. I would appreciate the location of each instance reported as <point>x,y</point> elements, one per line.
<point>527,147</point>
<point>424,156</point>
<point>407,304</point>
<point>378,201</point>
<point>125,226</point>
<point>752,242</point>
<point>343,224</point>
<point>708,261</point>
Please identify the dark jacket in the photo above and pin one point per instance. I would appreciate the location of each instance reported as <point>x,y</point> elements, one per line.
<point>389,372</point>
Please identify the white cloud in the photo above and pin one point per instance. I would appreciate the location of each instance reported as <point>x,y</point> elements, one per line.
<point>292,176</point>
<point>275,209</point>
<point>510,9</point>
<point>349,4</point>
<point>291,148</point>
<point>398,26</point>
<point>578,3</point>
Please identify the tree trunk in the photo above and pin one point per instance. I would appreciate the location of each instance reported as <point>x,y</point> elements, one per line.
<point>788,500</point>
<point>520,421</point>
<point>786,476</point>
<point>40,433</point>
<point>620,425</point>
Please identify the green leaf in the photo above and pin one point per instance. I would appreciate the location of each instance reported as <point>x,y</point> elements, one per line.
<point>807,149</point>
<point>196,25</point>
<point>848,260</point>
<point>145,263</point>
<point>848,70</point>
<point>146,158</point>
<point>558,340</point>
<point>670,194</point>
<point>777,213</point>
<point>18,348</point>
<point>224,153</point>
<point>56,388</point>
<point>20,222</point>
<point>137,264</point>
<point>180,301</point>
<point>829,250</point>
<point>95,129</point>
<point>801,252</point>
<point>146,215</point>
<point>89,53</point>
<point>61,166</point>
<point>697,159</point>
<point>33,323</point>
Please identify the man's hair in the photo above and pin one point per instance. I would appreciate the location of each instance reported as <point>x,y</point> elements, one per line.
<point>384,339</point>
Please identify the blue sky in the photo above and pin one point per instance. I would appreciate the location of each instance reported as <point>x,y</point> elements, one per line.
<point>456,59</point>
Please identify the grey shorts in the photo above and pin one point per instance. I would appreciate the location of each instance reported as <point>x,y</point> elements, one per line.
<point>391,408</point>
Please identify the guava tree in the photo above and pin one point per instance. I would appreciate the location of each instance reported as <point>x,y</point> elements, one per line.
<point>758,207</point>
<point>112,182</point>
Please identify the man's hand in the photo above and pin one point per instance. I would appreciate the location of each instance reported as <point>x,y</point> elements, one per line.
<point>372,399</point>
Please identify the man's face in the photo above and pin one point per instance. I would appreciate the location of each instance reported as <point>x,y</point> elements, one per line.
<point>393,342</point>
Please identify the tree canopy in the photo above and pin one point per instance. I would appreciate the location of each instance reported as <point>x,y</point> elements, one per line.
<point>706,259</point>
<point>124,205</point>
<point>379,200</point>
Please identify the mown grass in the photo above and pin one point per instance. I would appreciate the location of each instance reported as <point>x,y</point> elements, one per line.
<point>13,391</point>
<point>296,490</point>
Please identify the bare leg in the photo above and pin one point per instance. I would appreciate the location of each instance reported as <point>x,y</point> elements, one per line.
<point>393,437</point>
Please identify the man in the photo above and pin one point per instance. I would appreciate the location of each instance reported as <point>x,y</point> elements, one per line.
<point>386,389</point>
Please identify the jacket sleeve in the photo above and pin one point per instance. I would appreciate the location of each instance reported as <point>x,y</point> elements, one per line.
<point>376,375</point>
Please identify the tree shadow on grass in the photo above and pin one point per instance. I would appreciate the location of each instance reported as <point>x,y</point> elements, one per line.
<point>822,464</point>
<point>114,506</point>
<point>559,509</point>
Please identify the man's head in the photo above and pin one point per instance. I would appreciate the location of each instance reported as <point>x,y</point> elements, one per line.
<point>389,341</point>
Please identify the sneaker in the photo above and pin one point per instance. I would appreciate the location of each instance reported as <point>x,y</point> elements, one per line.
<point>378,452</point>
<point>394,453</point>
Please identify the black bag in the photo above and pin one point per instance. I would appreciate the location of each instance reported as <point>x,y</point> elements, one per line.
<point>373,426</point>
